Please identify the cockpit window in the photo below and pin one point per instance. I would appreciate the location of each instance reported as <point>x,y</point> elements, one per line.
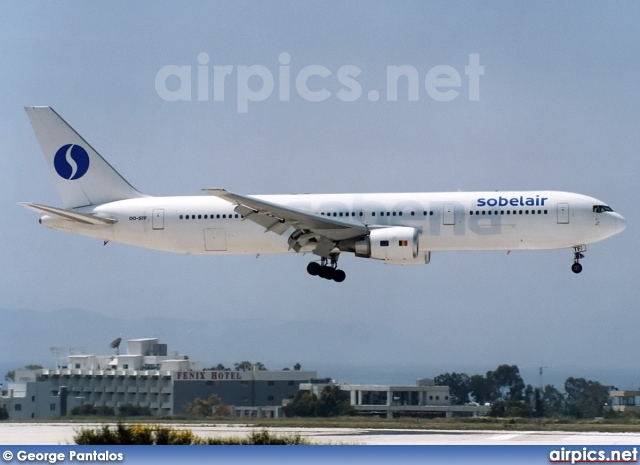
<point>601,209</point>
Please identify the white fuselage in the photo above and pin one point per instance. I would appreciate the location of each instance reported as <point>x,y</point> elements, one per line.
<point>444,221</point>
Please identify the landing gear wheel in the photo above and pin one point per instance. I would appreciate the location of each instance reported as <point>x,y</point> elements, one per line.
<point>313,268</point>
<point>326,272</point>
<point>339,276</point>
<point>327,269</point>
<point>577,255</point>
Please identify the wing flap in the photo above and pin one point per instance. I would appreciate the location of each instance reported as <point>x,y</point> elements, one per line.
<point>68,214</point>
<point>278,218</point>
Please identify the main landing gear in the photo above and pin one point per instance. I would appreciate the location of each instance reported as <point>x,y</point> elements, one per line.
<point>327,269</point>
<point>577,255</point>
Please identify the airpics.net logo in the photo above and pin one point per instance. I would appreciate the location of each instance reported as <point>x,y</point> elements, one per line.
<point>257,83</point>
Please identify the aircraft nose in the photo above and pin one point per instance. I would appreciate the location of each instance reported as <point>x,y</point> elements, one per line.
<point>621,223</point>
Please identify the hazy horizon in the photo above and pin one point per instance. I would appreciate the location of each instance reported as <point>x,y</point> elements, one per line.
<point>288,97</point>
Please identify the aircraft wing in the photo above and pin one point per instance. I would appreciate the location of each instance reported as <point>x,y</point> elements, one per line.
<point>68,214</point>
<point>315,233</point>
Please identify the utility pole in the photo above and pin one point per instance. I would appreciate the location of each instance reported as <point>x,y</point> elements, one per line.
<point>541,368</point>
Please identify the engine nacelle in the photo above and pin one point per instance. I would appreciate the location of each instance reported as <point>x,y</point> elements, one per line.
<point>395,244</point>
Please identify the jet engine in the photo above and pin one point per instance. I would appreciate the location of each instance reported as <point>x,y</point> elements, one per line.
<point>395,244</point>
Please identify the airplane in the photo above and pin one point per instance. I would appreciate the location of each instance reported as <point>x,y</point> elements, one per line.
<point>396,228</point>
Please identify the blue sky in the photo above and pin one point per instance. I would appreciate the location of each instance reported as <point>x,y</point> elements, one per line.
<point>557,109</point>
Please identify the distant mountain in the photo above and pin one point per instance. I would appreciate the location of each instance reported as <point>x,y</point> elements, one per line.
<point>28,335</point>
<point>356,353</point>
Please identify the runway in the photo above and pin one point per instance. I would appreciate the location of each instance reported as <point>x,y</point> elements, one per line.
<point>62,433</point>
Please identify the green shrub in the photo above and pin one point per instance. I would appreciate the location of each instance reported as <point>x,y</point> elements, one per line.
<point>147,434</point>
<point>129,410</point>
<point>137,434</point>
<point>90,410</point>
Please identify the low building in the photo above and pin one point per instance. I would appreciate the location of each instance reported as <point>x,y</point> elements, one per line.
<point>425,399</point>
<point>27,399</point>
<point>625,401</point>
<point>146,376</point>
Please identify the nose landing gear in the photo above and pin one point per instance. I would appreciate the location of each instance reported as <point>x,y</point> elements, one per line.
<point>577,255</point>
<point>327,269</point>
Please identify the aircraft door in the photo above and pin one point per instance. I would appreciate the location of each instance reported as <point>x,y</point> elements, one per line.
<point>449,213</point>
<point>157,218</point>
<point>563,213</point>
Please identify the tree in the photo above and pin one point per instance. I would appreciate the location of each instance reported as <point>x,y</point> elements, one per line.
<point>11,375</point>
<point>211,406</point>
<point>33,367</point>
<point>553,402</point>
<point>459,386</point>
<point>302,405</point>
<point>585,399</point>
<point>507,380</point>
<point>297,367</point>
<point>482,389</point>
<point>510,409</point>
<point>538,404</point>
<point>220,367</point>
<point>243,366</point>
<point>332,402</point>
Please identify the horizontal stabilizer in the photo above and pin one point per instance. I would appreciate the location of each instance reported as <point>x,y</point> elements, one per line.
<point>68,214</point>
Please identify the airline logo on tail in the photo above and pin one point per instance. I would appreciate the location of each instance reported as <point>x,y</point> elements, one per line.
<point>71,162</point>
